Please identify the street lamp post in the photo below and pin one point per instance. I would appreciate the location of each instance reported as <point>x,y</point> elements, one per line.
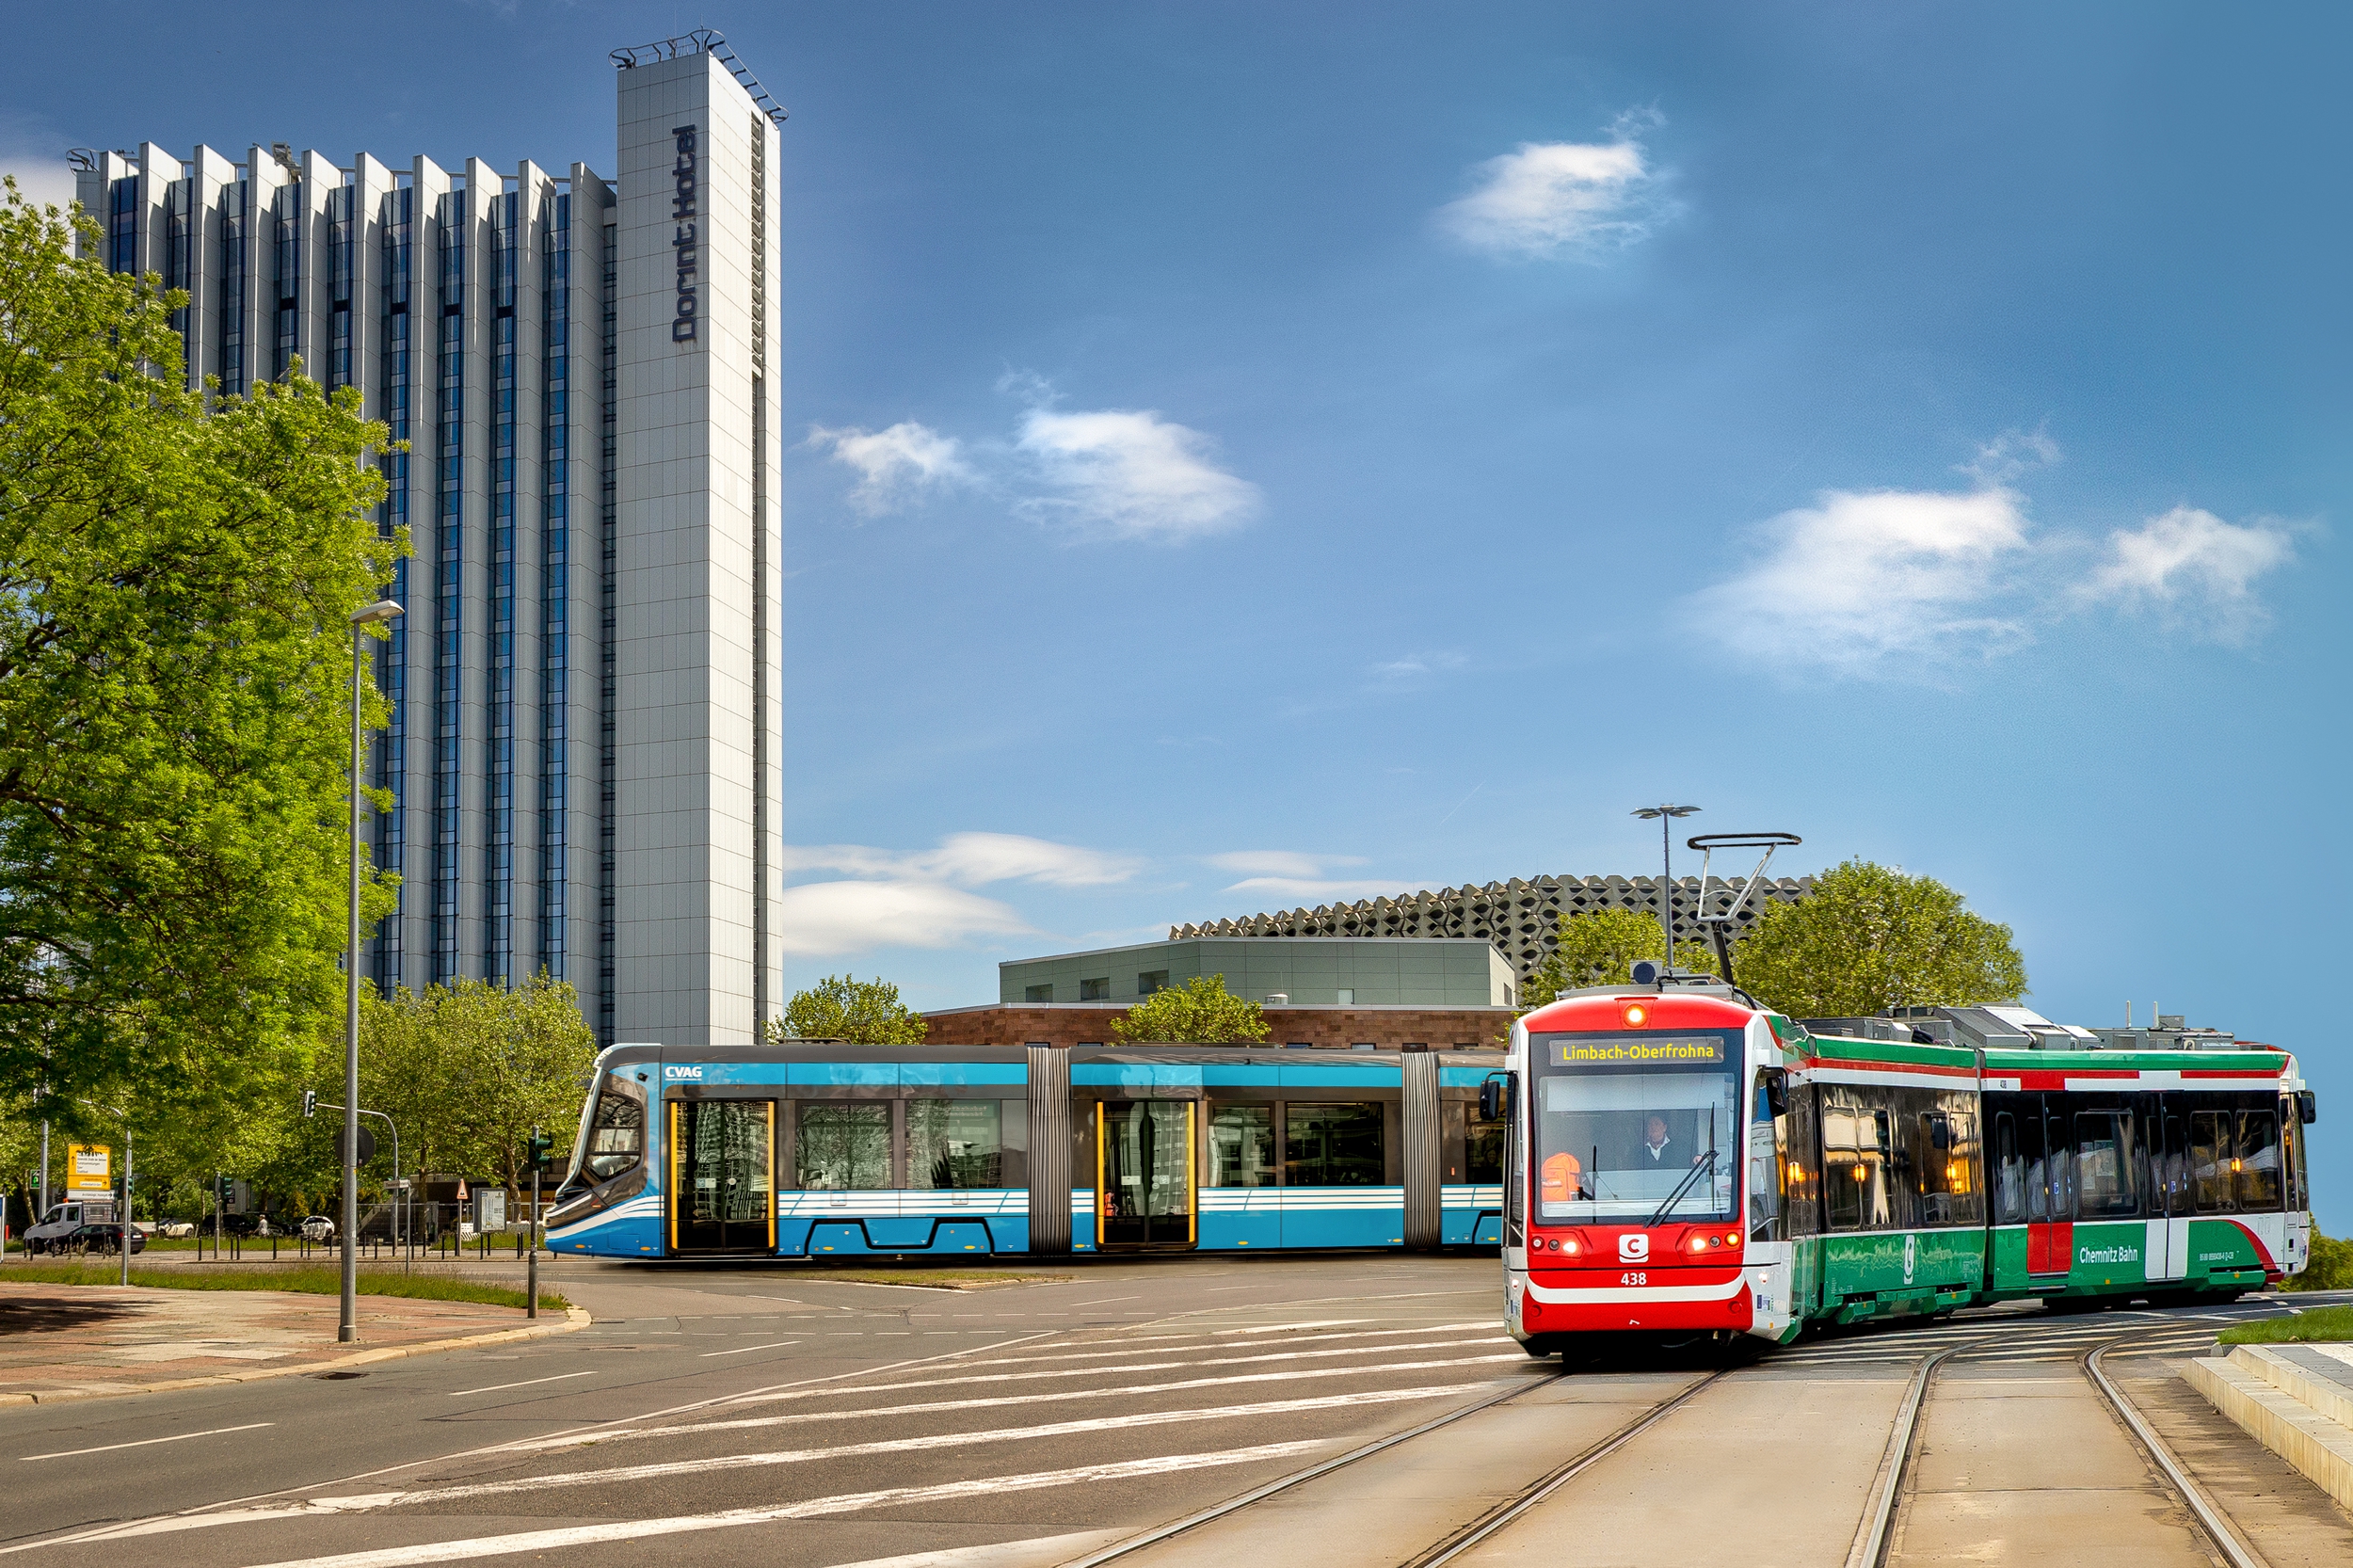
<point>347,1330</point>
<point>1666,816</point>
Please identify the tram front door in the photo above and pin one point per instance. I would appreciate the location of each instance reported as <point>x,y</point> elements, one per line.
<point>720,1188</point>
<point>1144,1173</point>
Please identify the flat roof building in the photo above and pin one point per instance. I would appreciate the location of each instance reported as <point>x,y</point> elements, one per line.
<point>1305,972</point>
<point>585,752</point>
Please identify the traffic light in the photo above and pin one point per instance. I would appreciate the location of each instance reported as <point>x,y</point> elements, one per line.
<point>309,1101</point>
<point>542,1152</point>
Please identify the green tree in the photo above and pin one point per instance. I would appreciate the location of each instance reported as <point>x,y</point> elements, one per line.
<point>864,1012</point>
<point>1599,948</point>
<point>1870,938</point>
<point>467,1070</point>
<point>1204,1013</point>
<point>176,583</point>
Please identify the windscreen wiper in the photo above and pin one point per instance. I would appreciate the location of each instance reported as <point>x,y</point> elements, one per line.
<point>1706,1163</point>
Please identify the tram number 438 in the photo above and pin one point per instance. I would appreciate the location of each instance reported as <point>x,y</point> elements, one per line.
<point>1634,1279</point>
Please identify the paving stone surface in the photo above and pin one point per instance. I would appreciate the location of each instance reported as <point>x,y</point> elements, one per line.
<point>60,1339</point>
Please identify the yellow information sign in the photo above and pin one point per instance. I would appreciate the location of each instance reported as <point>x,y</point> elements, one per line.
<point>88,1170</point>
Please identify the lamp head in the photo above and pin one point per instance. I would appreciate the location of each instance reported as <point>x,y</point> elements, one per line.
<point>383,609</point>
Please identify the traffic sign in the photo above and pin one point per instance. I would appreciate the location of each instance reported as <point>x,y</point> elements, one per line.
<point>367,1146</point>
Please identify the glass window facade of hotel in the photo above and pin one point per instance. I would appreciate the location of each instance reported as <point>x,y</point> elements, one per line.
<point>455,303</point>
<point>581,766</point>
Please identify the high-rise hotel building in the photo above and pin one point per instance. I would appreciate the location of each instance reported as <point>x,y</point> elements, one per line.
<point>583,756</point>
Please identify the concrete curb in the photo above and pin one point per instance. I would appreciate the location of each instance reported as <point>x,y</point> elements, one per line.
<point>575,1318</point>
<point>2246,1388</point>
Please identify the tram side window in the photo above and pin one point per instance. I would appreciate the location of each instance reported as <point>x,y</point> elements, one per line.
<point>1947,1157</point>
<point>1242,1145</point>
<point>2258,1166</point>
<point>2009,1173</point>
<point>1482,1152</point>
<point>2292,1159</point>
<point>1802,1196</point>
<point>616,1133</point>
<point>1332,1145</point>
<point>843,1145</point>
<point>1844,1174</point>
<point>2212,1189</point>
<point>2107,1185</point>
<point>1767,1137</point>
<point>967,1144</point>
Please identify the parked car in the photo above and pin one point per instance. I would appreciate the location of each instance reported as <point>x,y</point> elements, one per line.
<point>318,1227</point>
<point>171,1227</point>
<point>102,1236</point>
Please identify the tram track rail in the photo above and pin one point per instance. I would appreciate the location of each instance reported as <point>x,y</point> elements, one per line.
<point>1875,1537</point>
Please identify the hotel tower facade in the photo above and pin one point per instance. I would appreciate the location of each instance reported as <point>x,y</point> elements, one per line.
<point>582,757</point>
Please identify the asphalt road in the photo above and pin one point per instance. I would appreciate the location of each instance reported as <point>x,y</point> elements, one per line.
<point>778,1415</point>
<point>784,1415</point>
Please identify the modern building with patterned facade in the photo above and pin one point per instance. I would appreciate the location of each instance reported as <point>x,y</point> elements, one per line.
<point>1521,919</point>
<point>583,756</point>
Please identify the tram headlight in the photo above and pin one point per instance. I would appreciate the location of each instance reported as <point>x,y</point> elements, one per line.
<point>1635,1015</point>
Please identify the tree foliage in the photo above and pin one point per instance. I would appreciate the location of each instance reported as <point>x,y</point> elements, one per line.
<point>467,1070</point>
<point>1870,938</point>
<point>1202,1013</point>
<point>839,1007</point>
<point>176,583</point>
<point>1599,948</point>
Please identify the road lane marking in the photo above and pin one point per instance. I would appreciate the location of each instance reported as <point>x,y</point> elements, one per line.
<point>233,1510</point>
<point>617,1474</point>
<point>1125,1344</point>
<point>527,1382</point>
<point>1001,1402</point>
<point>1099,1371</point>
<point>144,1442</point>
<point>815,1508</point>
<point>741,1348</point>
<point>1104,1301</point>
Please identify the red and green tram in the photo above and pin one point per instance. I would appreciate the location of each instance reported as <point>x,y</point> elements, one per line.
<point>1683,1163</point>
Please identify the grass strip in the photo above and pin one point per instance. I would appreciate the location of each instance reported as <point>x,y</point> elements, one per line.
<point>315,1280</point>
<point>2315,1323</point>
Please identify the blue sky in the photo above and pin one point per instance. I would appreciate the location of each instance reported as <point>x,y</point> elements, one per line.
<point>1256,456</point>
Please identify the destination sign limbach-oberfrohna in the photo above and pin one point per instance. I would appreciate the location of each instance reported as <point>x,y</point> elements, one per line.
<point>1647,1051</point>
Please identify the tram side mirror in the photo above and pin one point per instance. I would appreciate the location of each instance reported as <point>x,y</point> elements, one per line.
<point>2307,1106</point>
<point>1776,1094</point>
<point>1491,1101</point>
<point>1940,1133</point>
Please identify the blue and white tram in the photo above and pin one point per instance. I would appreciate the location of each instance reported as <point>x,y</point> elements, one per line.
<point>816,1148</point>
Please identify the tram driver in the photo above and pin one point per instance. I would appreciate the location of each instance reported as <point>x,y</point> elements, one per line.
<point>1655,1144</point>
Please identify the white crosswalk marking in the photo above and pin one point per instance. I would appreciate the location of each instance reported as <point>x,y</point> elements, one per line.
<point>814,1508</point>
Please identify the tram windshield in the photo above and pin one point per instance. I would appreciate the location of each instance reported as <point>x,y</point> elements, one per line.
<point>1629,1126</point>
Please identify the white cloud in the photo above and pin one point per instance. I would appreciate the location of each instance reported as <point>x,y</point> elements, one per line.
<point>1278,862</point>
<point>35,155</point>
<point>2192,564</point>
<point>970,858</point>
<point>1556,198</point>
<point>894,466</point>
<point>1130,475</point>
<point>919,898</point>
<point>1414,667</point>
<point>1283,892</point>
<point>1864,578</point>
<point>824,918</point>
<point>2009,455</point>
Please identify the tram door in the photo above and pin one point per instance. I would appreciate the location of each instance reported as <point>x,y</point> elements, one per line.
<point>720,1197</point>
<point>2166,1139</point>
<point>1144,1173</point>
<point>2049,1149</point>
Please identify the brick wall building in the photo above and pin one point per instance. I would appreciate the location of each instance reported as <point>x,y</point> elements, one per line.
<point>1318,1028</point>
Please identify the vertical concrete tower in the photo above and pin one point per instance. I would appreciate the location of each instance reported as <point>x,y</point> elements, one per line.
<point>695,707</point>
